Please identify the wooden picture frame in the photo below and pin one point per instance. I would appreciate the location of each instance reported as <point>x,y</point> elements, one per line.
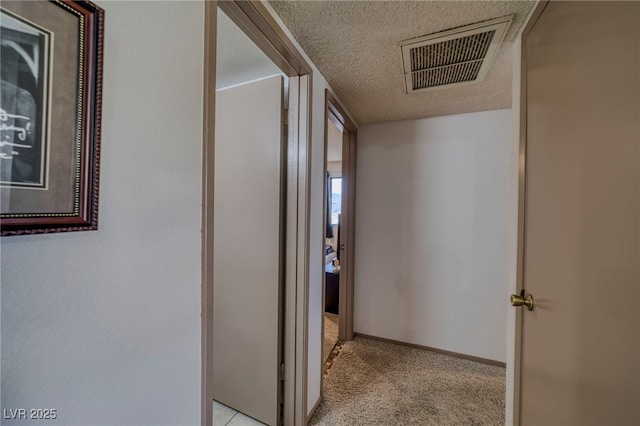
<point>50,116</point>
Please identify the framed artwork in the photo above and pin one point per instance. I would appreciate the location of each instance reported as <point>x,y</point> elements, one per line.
<point>50,107</point>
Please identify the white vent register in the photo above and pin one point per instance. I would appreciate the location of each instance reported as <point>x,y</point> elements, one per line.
<point>454,57</point>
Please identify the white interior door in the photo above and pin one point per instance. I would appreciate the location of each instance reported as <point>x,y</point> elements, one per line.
<point>581,342</point>
<point>248,248</point>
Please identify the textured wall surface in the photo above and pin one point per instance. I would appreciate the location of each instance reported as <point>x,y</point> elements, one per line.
<point>433,232</point>
<point>104,326</point>
<point>356,47</point>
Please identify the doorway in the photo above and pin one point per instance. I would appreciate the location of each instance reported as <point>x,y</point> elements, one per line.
<point>392,158</point>
<point>339,220</point>
<point>333,165</point>
<point>256,22</point>
<point>249,228</point>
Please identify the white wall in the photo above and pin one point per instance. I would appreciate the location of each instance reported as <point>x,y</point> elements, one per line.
<point>104,326</point>
<point>433,232</point>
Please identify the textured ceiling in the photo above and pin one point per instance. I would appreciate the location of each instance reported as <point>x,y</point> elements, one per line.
<point>355,45</point>
<point>238,59</point>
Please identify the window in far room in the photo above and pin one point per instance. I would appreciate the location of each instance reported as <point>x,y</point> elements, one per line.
<point>336,195</point>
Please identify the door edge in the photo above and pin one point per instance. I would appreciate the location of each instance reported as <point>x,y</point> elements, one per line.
<point>514,318</point>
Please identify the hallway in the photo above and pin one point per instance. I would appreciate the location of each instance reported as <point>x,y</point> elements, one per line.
<point>378,383</point>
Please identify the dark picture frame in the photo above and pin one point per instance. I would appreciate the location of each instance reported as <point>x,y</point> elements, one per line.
<point>50,115</point>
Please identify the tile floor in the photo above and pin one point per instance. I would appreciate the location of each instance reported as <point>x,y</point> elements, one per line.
<point>226,416</point>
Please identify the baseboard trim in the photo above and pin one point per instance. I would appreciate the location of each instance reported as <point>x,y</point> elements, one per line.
<point>441,351</point>
<point>313,410</point>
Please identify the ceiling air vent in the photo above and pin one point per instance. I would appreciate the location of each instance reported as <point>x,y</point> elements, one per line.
<point>453,57</point>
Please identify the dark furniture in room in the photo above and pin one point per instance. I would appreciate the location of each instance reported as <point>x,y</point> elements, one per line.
<point>331,292</point>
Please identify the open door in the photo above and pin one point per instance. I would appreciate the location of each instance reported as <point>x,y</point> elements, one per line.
<point>580,354</point>
<point>250,159</point>
<point>347,229</point>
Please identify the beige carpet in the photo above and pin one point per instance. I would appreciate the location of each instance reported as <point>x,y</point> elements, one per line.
<point>330,333</point>
<point>378,383</point>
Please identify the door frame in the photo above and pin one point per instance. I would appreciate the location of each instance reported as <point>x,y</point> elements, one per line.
<point>338,116</point>
<point>520,114</point>
<point>256,20</point>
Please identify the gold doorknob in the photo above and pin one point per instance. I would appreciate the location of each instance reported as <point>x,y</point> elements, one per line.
<point>519,300</point>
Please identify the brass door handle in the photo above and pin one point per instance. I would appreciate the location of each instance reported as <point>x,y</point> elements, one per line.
<point>519,300</point>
